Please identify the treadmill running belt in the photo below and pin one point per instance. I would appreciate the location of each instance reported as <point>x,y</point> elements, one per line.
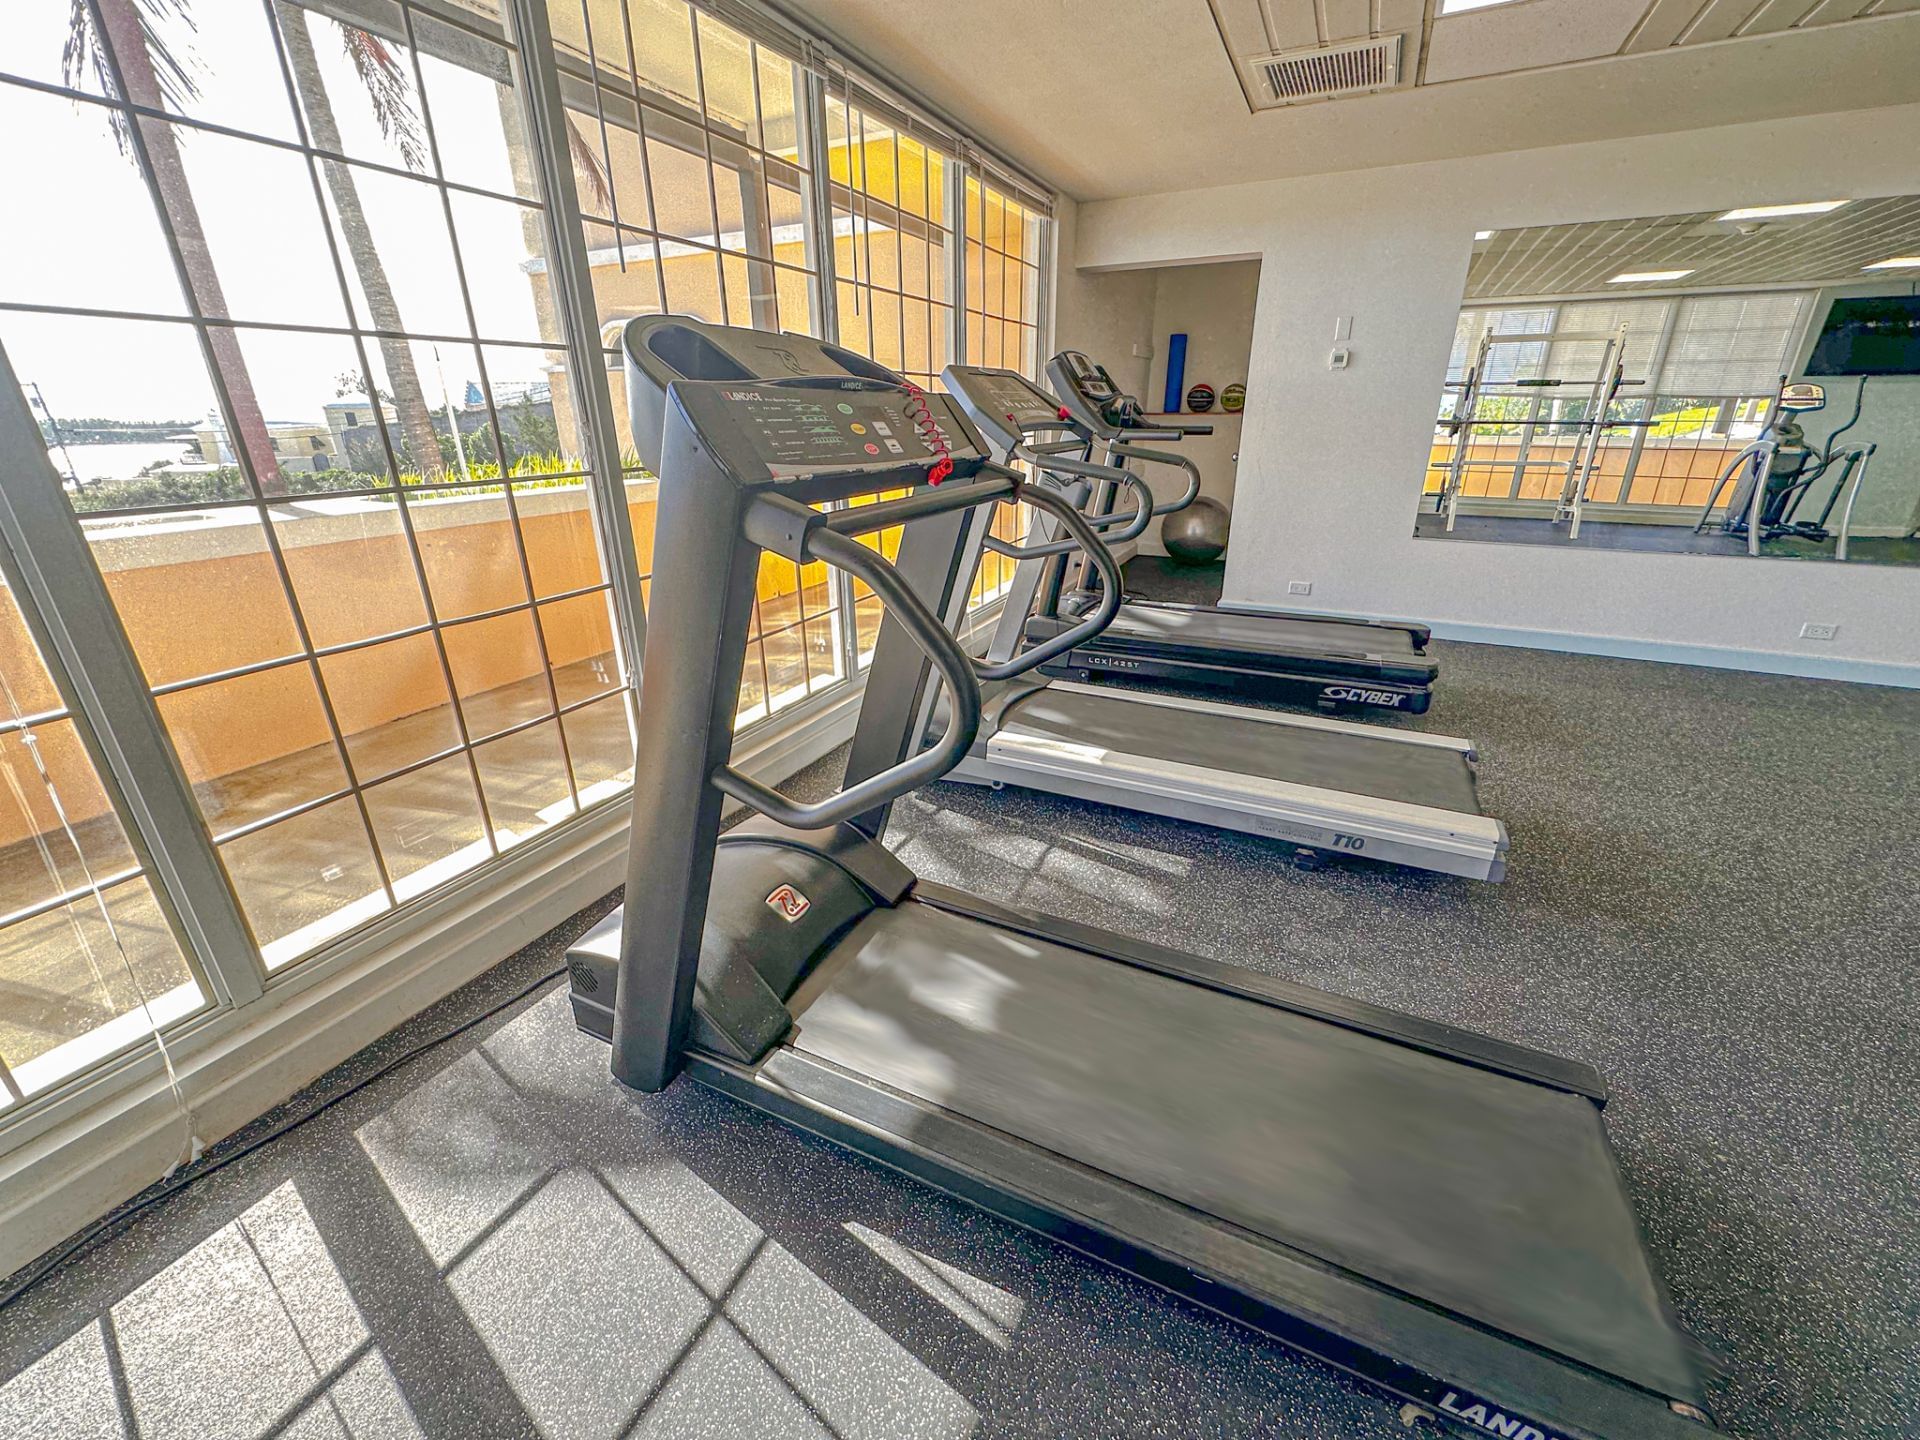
<point>1493,1197</point>
<point>1387,768</point>
<point>1269,634</point>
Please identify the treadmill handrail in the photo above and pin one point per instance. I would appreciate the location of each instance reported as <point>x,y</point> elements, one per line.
<point>956,669</point>
<point>1084,537</point>
<point>1160,432</point>
<point>1052,464</point>
<point>1164,457</point>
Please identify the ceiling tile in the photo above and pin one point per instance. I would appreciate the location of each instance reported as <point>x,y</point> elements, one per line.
<point>1526,37</point>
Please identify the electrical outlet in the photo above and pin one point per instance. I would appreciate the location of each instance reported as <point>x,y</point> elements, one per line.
<point>1813,631</point>
<point>1299,587</point>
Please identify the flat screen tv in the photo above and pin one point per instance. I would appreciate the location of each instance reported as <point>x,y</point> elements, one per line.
<point>1870,335</point>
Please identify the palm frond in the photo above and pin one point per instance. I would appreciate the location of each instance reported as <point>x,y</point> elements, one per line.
<point>85,58</point>
<point>389,89</point>
<point>588,169</point>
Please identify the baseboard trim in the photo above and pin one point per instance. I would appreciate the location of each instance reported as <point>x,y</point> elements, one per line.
<point>1666,652</point>
<point>124,1135</point>
<point>1718,657</point>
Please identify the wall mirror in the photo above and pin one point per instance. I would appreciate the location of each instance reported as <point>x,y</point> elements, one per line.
<point>1740,382</point>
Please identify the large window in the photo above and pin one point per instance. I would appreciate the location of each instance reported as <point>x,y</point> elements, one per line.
<point>317,304</point>
<point>1701,373</point>
<point>351,544</point>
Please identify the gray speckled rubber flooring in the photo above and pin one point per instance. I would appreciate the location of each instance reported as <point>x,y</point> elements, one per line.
<point>1714,894</point>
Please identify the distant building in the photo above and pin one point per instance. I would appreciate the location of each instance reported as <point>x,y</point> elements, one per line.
<point>297,444</point>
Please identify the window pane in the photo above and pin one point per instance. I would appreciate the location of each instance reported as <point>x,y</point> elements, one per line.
<point>29,690</point>
<point>726,69</point>
<point>198,593</point>
<point>392,704</point>
<point>467,545</point>
<point>356,87</point>
<point>305,881</point>
<point>398,256</point>
<point>235,71</point>
<point>780,98</point>
<point>476,116</point>
<point>107,251</point>
<point>351,569</point>
<point>600,742</point>
<point>525,779</point>
<point>233,183</point>
<point>427,823</point>
<point>37,32</point>
<point>557,522</point>
<point>504,253</point>
<point>102,970</point>
<point>254,746</point>
<point>677,164</point>
<point>497,670</point>
<point>579,636</point>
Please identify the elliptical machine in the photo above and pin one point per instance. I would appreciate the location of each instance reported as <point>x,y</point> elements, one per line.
<point>1773,475</point>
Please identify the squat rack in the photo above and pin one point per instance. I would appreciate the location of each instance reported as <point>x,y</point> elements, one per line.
<point>1577,469</point>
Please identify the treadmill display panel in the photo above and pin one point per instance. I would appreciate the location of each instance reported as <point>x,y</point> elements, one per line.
<point>1089,379</point>
<point>798,432</point>
<point>1011,395</point>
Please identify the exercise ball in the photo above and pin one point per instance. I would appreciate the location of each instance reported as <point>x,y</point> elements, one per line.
<point>1197,535</point>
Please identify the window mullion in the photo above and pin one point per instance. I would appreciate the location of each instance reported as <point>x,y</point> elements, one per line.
<point>88,647</point>
<point>543,112</point>
<point>819,221</point>
<point>958,173</point>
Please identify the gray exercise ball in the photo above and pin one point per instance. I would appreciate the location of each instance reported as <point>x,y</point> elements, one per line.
<point>1197,535</point>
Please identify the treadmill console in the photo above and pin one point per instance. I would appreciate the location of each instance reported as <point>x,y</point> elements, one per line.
<point>784,431</point>
<point>1004,403</point>
<point>1088,394</point>
<point>782,408</point>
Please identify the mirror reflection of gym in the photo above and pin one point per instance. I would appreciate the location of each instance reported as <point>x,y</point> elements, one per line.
<point>1736,383</point>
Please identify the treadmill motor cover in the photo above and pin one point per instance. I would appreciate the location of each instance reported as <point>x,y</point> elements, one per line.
<point>773,910</point>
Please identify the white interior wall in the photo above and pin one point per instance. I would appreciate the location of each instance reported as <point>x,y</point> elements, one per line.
<point>1332,461</point>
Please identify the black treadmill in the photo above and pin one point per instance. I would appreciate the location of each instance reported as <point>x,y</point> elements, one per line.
<point>1334,661</point>
<point>1435,1211</point>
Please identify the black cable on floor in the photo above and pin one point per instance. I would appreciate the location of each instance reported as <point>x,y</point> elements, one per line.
<point>117,1220</point>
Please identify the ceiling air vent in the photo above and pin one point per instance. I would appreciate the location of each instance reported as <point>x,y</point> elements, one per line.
<point>1353,67</point>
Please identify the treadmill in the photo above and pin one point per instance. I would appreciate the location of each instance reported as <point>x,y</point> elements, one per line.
<point>1434,1211</point>
<point>1322,785</point>
<point>1335,661</point>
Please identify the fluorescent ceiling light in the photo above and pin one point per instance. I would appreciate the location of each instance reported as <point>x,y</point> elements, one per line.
<point>1898,262</point>
<point>1485,234</point>
<point>1776,212</point>
<point>1455,7</point>
<point>1641,277</point>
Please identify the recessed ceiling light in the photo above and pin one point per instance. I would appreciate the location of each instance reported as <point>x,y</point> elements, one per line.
<point>1485,234</point>
<point>1454,7</point>
<point>1898,262</point>
<point>1776,212</point>
<point>1641,277</point>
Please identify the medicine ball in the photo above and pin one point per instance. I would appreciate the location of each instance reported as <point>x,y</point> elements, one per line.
<point>1233,397</point>
<point>1200,399</point>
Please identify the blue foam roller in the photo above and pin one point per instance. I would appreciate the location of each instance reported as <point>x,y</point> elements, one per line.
<point>1176,373</point>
